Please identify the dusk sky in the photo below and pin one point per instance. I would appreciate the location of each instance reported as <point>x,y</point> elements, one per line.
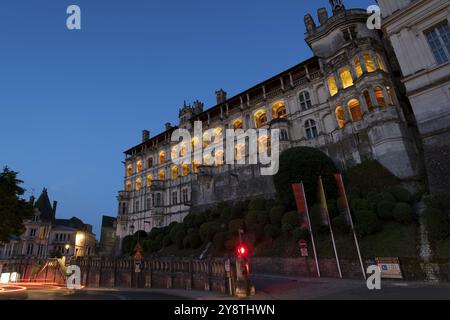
<point>72,101</point>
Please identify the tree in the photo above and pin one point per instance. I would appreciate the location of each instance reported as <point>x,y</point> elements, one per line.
<point>13,209</point>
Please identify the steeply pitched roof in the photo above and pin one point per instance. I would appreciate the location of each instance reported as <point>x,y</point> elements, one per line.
<point>71,223</point>
<point>45,208</point>
<point>108,222</point>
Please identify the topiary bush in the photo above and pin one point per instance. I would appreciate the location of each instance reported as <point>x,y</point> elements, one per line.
<point>272,231</point>
<point>179,237</point>
<point>437,223</point>
<point>401,194</point>
<point>208,230</point>
<point>257,204</point>
<point>194,240</point>
<point>359,204</point>
<point>290,221</point>
<point>403,213</point>
<point>276,214</point>
<point>167,241</point>
<point>367,222</point>
<point>340,226</point>
<point>235,225</point>
<point>174,231</point>
<point>304,164</point>
<point>219,240</point>
<point>251,219</point>
<point>369,176</point>
<point>263,217</point>
<point>300,234</point>
<point>385,210</point>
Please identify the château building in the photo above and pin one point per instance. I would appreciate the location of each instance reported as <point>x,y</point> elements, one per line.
<point>345,100</point>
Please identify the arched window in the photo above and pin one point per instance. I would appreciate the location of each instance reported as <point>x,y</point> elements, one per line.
<point>195,166</point>
<point>162,175</point>
<point>184,149</point>
<point>260,118</point>
<point>379,96</point>
<point>195,143</point>
<point>390,96</point>
<point>219,157</point>
<point>174,153</point>
<point>305,100</point>
<point>332,86</point>
<point>184,169</point>
<point>162,157</point>
<point>207,135</point>
<point>370,66</point>
<point>138,184</point>
<point>238,124</point>
<point>240,152</point>
<point>346,78</point>
<point>355,110</point>
<point>174,172</point>
<point>218,135</point>
<point>139,166</point>
<point>149,162</point>
<point>128,186</point>
<point>340,117</point>
<point>279,110</point>
<point>149,180</point>
<point>284,135</point>
<point>311,129</point>
<point>130,170</point>
<point>380,62</point>
<point>368,100</point>
<point>358,67</point>
<point>207,161</point>
<point>263,144</point>
<point>148,203</point>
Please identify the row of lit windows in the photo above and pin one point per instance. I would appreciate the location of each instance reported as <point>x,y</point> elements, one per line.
<point>345,73</point>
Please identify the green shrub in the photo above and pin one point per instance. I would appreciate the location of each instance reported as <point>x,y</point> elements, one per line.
<point>290,221</point>
<point>263,217</point>
<point>272,231</point>
<point>401,194</point>
<point>300,234</point>
<point>200,219</point>
<point>235,225</point>
<point>304,164</point>
<point>194,240</point>
<point>387,196</point>
<point>174,231</point>
<point>276,214</point>
<point>257,204</point>
<point>251,219</point>
<point>230,244</point>
<point>189,220</point>
<point>403,213</point>
<point>238,210</point>
<point>219,240</point>
<point>208,230</point>
<point>367,222</point>
<point>186,242</point>
<point>160,237</point>
<point>439,201</point>
<point>340,226</point>
<point>370,176</point>
<point>359,204</point>
<point>225,214</point>
<point>179,237</point>
<point>167,241</point>
<point>385,210</point>
<point>437,223</point>
<point>154,233</point>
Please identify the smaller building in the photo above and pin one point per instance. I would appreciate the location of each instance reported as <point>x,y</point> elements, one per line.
<point>108,236</point>
<point>71,238</point>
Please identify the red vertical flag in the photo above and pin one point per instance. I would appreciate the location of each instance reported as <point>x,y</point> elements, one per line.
<point>299,193</point>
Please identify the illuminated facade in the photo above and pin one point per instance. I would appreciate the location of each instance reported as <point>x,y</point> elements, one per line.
<point>344,101</point>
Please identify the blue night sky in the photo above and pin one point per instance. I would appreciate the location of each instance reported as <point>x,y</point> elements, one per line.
<point>72,101</point>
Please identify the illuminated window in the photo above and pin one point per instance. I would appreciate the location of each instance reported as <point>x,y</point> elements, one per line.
<point>207,160</point>
<point>184,169</point>
<point>390,96</point>
<point>368,100</point>
<point>219,157</point>
<point>369,62</point>
<point>195,143</point>
<point>162,175</point>
<point>305,100</point>
<point>162,157</point>
<point>340,117</point>
<point>346,78</point>
<point>184,149</point>
<point>149,180</point>
<point>138,184</point>
<point>128,186</point>
<point>149,162</point>
<point>260,118</point>
<point>380,96</point>
<point>130,170</point>
<point>139,166</point>
<point>174,172</point>
<point>332,86</point>
<point>380,62</point>
<point>174,153</point>
<point>218,135</point>
<point>240,152</point>
<point>264,144</point>
<point>279,110</point>
<point>355,110</point>
<point>206,138</point>
<point>195,166</point>
<point>311,129</point>
<point>358,67</point>
<point>238,124</point>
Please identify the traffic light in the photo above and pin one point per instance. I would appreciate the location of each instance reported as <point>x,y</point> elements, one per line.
<point>242,251</point>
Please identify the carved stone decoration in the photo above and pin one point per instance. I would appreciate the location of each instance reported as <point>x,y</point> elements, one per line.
<point>309,23</point>
<point>322,13</point>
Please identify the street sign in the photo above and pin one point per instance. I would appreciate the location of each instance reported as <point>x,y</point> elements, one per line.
<point>137,266</point>
<point>390,268</point>
<point>138,252</point>
<point>228,265</point>
<point>303,248</point>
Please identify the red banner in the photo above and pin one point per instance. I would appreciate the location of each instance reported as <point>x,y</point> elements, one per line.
<point>299,194</point>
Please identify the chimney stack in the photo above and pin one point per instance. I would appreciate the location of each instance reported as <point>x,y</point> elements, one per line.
<point>221,96</point>
<point>55,205</point>
<point>168,126</point>
<point>145,135</point>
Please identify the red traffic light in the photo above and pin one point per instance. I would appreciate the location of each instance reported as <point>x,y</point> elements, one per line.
<point>242,251</point>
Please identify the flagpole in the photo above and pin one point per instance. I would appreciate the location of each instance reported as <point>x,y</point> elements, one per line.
<point>312,233</point>
<point>344,195</point>
<point>331,231</point>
